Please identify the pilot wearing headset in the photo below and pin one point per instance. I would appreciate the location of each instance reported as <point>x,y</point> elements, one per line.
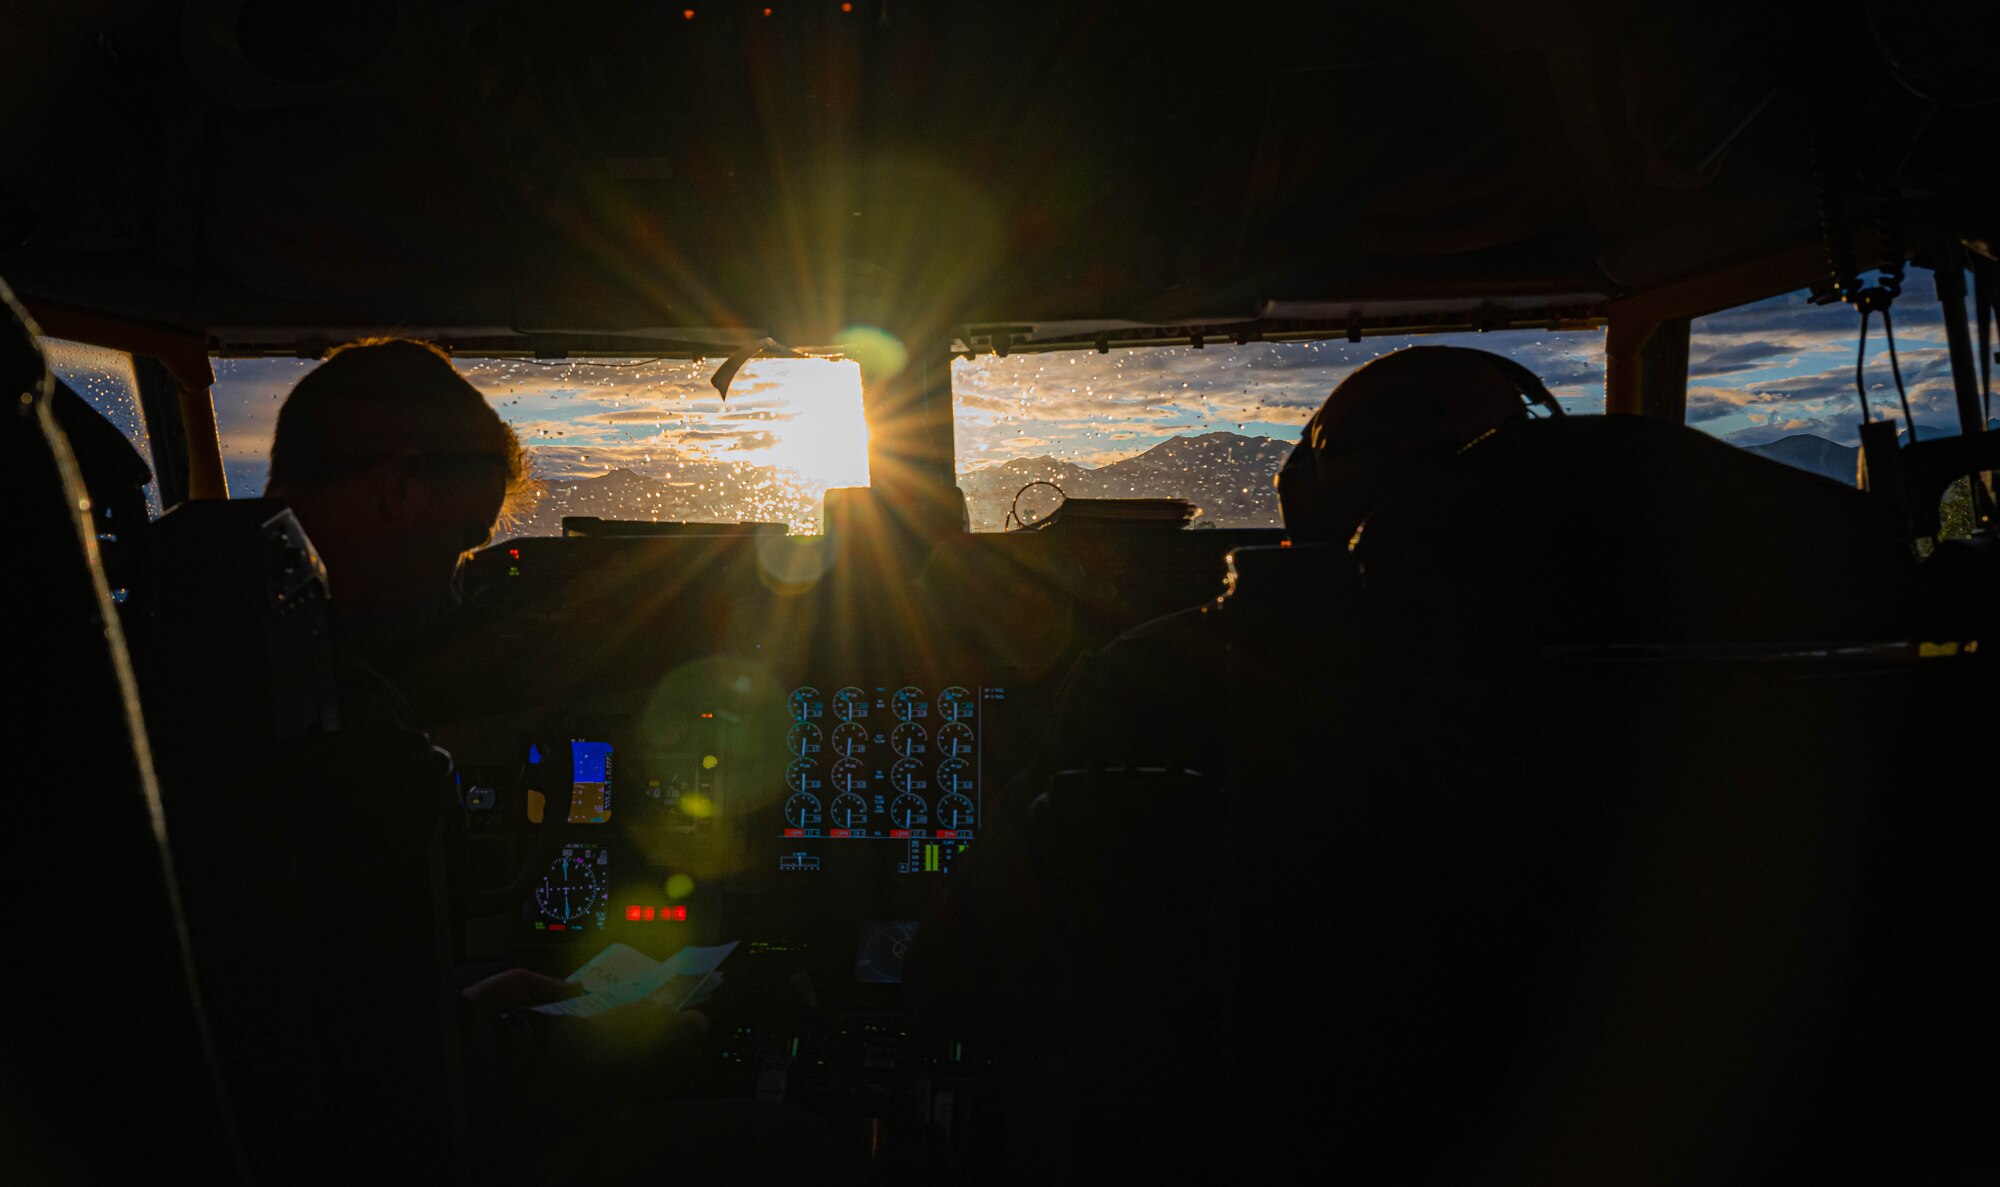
<point>1154,697</point>
<point>1390,424</point>
<point>1384,431</point>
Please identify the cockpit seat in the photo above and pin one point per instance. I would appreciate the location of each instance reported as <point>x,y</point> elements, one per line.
<point>1131,863</point>
<point>1630,530</point>
<point>335,1022</point>
<point>1607,774</point>
<point>105,1068</point>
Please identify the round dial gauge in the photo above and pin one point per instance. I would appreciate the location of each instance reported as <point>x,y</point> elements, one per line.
<point>804,740</point>
<point>954,812</point>
<point>850,703</point>
<point>848,810</point>
<point>849,739</point>
<point>955,704</point>
<point>849,776</point>
<point>802,810</point>
<point>802,775</point>
<point>955,775</point>
<point>806,703</point>
<point>908,775</point>
<point>909,740</point>
<point>954,740</point>
<point>572,888</point>
<point>910,703</point>
<point>908,810</point>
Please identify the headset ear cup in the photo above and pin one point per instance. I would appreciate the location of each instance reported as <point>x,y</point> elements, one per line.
<point>1529,384</point>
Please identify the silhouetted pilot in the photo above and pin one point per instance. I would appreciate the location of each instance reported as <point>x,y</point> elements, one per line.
<point>1155,696</point>
<point>397,467</point>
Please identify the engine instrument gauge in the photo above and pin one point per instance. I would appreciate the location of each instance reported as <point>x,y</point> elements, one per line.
<point>805,740</point>
<point>955,775</point>
<point>910,704</point>
<point>850,703</point>
<point>574,886</point>
<point>806,703</point>
<point>909,740</point>
<point>848,810</point>
<point>908,776</point>
<point>849,739</point>
<point>955,812</point>
<point>955,740</point>
<point>906,811</point>
<point>956,704</point>
<point>849,776</point>
<point>803,775</point>
<point>802,810</point>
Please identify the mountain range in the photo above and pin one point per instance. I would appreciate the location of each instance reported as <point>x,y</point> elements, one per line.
<point>1227,475</point>
<point>1828,459</point>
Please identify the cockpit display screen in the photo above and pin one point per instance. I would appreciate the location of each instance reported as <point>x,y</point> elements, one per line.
<point>574,892</point>
<point>893,765</point>
<point>590,782</point>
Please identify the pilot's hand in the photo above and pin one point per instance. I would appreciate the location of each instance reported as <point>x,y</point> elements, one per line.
<point>518,989</point>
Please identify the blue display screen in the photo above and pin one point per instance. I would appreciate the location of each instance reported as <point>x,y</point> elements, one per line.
<point>592,761</point>
<point>590,782</point>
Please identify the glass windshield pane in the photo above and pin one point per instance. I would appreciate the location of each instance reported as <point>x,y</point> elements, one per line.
<point>105,379</point>
<point>1211,426</point>
<point>1777,376</point>
<point>642,439</point>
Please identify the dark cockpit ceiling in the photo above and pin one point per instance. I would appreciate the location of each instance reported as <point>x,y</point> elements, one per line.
<point>630,175</point>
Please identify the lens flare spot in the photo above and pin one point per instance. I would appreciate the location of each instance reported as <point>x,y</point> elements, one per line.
<point>880,353</point>
<point>679,886</point>
<point>709,762</point>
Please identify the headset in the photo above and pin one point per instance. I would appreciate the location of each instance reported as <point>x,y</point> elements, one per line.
<point>1298,480</point>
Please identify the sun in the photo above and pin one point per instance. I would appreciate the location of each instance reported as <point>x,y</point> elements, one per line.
<point>819,425</point>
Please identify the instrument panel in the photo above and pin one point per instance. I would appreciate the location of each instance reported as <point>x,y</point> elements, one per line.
<point>682,815</point>
<point>899,767</point>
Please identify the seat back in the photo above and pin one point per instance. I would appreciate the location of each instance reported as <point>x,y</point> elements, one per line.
<point>1614,832</point>
<point>1130,865</point>
<point>106,1074</point>
<point>312,857</point>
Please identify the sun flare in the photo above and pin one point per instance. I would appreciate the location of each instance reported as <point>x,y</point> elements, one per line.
<point>816,418</point>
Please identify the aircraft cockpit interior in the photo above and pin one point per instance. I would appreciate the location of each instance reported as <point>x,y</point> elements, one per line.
<point>932,591</point>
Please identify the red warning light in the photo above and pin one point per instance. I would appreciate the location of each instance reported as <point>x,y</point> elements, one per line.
<point>680,913</point>
<point>649,912</point>
<point>767,12</point>
<point>632,913</point>
<point>709,715</point>
<point>687,14</point>
<point>847,8</point>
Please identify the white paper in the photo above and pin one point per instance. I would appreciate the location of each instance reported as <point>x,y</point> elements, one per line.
<point>621,974</point>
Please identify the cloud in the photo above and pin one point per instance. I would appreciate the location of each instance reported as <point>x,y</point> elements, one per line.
<point>1708,356</point>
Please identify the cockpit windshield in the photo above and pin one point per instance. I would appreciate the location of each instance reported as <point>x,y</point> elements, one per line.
<point>625,438</point>
<point>1209,425</point>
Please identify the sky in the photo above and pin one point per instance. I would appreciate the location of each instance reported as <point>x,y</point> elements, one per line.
<point>1756,373</point>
